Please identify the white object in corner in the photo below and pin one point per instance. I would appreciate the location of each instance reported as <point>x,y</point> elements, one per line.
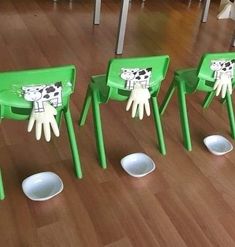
<point>227,10</point>
<point>42,186</point>
<point>218,144</point>
<point>138,164</point>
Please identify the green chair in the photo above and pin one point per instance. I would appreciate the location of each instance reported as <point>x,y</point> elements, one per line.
<point>190,80</point>
<point>14,106</point>
<point>111,86</point>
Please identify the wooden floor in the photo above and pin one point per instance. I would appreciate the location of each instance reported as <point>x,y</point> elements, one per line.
<point>189,200</point>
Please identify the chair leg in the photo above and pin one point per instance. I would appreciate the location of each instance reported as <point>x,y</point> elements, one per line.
<point>98,130</point>
<point>2,194</point>
<point>184,117</point>
<point>73,143</point>
<point>85,108</point>
<point>229,105</point>
<point>158,125</point>
<point>208,99</point>
<point>167,98</point>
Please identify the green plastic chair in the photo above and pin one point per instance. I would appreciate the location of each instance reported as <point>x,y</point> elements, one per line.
<point>190,80</point>
<point>111,86</point>
<point>14,106</point>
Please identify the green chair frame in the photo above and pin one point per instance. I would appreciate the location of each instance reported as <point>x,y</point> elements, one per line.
<point>111,86</point>
<point>190,80</point>
<point>14,106</point>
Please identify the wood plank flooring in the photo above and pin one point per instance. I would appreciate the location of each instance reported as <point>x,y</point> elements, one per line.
<point>189,200</point>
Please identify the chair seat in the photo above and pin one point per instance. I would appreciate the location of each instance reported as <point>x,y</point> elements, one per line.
<point>189,77</point>
<point>98,83</point>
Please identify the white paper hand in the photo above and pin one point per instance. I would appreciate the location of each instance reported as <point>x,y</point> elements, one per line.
<point>45,120</point>
<point>223,84</point>
<point>139,97</point>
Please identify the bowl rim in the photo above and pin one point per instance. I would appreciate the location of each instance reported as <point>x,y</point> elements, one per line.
<point>223,139</point>
<point>27,180</point>
<point>136,154</point>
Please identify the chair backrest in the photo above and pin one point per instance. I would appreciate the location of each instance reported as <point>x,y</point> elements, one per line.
<point>206,74</point>
<point>12,103</point>
<point>158,66</point>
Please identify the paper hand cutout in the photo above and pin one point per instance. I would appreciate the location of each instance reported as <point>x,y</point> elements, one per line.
<point>43,93</point>
<point>223,84</point>
<point>45,120</point>
<point>134,76</point>
<point>139,97</point>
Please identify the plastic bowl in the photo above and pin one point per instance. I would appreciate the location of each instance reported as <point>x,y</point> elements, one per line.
<point>138,164</point>
<point>218,144</point>
<point>42,186</point>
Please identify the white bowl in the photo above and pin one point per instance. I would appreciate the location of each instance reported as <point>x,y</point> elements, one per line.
<point>218,145</point>
<point>42,186</point>
<point>137,164</point>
